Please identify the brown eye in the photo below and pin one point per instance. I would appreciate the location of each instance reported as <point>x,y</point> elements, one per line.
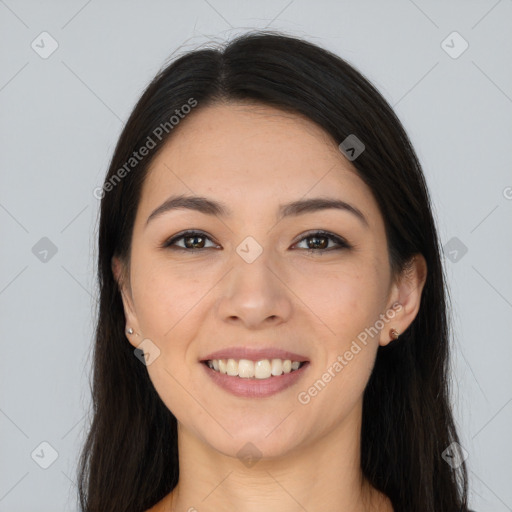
<point>193,241</point>
<point>319,242</point>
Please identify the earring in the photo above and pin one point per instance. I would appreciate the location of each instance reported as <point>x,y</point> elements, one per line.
<point>394,334</point>
<point>129,330</point>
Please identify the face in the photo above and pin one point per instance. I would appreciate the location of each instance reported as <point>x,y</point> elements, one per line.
<point>246,278</point>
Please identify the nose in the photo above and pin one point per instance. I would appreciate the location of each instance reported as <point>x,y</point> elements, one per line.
<point>254,295</point>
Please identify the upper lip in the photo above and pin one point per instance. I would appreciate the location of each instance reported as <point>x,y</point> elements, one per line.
<point>254,354</point>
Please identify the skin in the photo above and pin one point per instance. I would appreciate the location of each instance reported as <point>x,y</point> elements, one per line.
<point>253,158</point>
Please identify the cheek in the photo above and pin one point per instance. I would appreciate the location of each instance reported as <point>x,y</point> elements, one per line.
<point>164,297</point>
<point>346,361</point>
<point>167,304</point>
<point>350,301</point>
<point>351,313</point>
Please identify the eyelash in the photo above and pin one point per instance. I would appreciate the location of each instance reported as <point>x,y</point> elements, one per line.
<point>342,244</point>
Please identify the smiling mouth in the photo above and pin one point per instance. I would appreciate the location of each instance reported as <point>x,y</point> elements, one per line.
<point>247,369</point>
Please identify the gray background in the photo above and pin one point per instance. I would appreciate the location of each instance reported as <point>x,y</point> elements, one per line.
<point>60,119</point>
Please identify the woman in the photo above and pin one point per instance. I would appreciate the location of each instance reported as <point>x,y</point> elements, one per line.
<point>272,330</point>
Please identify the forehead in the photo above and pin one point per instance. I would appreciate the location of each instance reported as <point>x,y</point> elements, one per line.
<point>252,155</point>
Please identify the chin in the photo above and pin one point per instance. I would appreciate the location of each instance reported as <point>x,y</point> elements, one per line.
<point>253,443</point>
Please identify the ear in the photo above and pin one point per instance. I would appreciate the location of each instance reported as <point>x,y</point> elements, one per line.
<point>120,275</point>
<point>405,296</point>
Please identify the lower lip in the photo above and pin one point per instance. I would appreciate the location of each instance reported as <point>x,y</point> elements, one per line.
<point>255,388</point>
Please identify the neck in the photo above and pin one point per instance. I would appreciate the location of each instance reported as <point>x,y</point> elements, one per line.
<point>322,476</point>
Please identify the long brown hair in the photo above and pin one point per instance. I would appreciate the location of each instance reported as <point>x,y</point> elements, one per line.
<point>129,461</point>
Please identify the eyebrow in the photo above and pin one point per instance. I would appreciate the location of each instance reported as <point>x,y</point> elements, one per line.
<point>294,208</point>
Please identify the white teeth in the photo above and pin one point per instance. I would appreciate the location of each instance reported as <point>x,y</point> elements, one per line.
<point>262,369</point>
<point>232,367</point>
<point>277,367</point>
<point>247,369</point>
